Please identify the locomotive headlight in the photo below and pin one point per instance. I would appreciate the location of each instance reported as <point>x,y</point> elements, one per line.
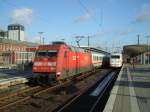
<point>51,64</point>
<point>37,63</point>
<point>58,74</point>
<point>35,68</point>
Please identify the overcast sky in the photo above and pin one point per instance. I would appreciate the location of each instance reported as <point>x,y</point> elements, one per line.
<point>109,22</point>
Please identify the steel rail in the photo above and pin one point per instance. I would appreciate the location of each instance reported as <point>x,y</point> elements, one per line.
<point>10,95</point>
<point>102,93</point>
<point>84,90</point>
<point>52,88</point>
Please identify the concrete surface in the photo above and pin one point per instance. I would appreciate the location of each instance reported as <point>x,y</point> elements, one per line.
<point>131,92</point>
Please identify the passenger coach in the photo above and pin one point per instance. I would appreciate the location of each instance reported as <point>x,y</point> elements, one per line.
<point>100,58</point>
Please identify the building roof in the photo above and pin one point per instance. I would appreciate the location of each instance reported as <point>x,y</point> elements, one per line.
<point>133,50</point>
<point>30,44</point>
<point>15,25</point>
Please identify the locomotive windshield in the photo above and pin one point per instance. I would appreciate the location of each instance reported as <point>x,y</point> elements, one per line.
<point>115,56</point>
<point>46,53</point>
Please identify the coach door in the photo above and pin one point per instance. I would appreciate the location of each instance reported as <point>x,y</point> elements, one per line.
<point>66,64</point>
<point>77,60</point>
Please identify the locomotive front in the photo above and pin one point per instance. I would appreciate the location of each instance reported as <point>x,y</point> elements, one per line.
<point>44,66</point>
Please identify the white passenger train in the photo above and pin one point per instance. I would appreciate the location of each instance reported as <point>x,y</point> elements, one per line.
<point>97,59</point>
<point>116,60</point>
<point>100,58</point>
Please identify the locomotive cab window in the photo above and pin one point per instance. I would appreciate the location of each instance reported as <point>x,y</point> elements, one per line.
<point>52,53</point>
<point>40,53</point>
<point>46,53</point>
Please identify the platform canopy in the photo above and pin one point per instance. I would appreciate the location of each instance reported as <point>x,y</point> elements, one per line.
<point>133,50</point>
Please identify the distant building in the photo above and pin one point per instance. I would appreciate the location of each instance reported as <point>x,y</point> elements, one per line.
<point>3,34</point>
<point>139,53</point>
<point>14,50</point>
<point>16,32</point>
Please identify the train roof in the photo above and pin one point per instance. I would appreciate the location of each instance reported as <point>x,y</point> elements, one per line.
<point>120,54</point>
<point>77,49</point>
<point>95,49</point>
<point>58,44</point>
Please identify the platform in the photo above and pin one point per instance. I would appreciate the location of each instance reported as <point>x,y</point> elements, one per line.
<point>131,92</point>
<point>13,77</point>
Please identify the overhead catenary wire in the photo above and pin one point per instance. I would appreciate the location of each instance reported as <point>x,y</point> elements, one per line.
<point>93,18</point>
<point>87,10</point>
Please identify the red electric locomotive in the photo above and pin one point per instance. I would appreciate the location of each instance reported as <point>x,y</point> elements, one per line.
<point>60,61</point>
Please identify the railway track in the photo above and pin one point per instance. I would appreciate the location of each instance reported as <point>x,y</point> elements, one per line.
<point>24,95</point>
<point>91,99</point>
<point>13,98</point>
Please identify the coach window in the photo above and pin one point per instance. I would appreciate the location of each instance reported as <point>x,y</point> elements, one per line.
<point>94,58</point>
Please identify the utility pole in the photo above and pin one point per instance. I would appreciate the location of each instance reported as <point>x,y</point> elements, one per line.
<point>43,40</point>
<point>88,37</point>
<point>138,37</point>
<point>88,41</point>
<point>40,33</point>
<point>148,57</point>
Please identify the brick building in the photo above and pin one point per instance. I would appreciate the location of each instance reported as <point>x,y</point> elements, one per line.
<point>15,52</point>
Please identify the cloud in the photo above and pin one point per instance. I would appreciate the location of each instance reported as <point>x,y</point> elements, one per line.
<point>147,26</point>
<point>35,39</point>
<point>144,14</point>
<point>115,32</point>
<point>124,32</point>
<point>102,33</point>
<point>84,17</point>
<point>22,16</point>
